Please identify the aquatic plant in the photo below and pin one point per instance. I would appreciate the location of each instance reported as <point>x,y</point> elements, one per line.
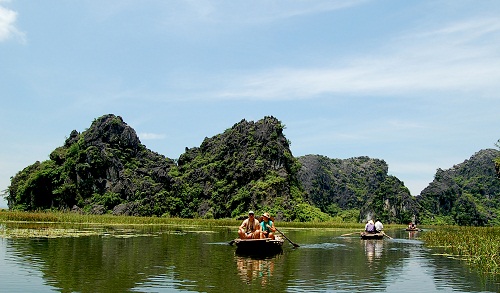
<point>479,246</point>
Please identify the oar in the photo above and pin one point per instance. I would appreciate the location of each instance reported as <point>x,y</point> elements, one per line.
<point>231,242</point>
<point>351,233</point>
<point>294,244</point>
<point>383,233</point>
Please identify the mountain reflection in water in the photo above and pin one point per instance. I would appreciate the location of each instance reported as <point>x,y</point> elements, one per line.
<point>191,259</point>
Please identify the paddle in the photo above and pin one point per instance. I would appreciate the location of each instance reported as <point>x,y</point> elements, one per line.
<point>351,233</point>
<point>383,233</point>
<point>272,219</point>
<point>294,244</point>
<point>231,242</point>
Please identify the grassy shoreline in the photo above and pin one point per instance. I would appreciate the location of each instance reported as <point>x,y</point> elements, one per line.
<point>478,246</point>
<point>107,219</point>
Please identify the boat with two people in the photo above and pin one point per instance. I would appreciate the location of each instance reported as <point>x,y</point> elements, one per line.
<point>373,230</point>
<point>412,227</point>
<point>257,237</point>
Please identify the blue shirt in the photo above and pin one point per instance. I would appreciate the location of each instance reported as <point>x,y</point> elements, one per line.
<point>263,226</point>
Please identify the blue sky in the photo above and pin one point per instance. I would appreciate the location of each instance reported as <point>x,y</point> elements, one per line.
<point>415,83</point>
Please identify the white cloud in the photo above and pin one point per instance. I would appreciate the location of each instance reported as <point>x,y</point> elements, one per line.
<point>197,14</point>
<point>151,136</point>
<point>7,24</point>
<point>263,11</point>
<point>460,57</point>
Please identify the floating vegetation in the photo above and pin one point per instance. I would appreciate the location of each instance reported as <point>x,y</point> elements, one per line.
<point>43,233</point>
<point>62,224</point>
<point>479,246</point>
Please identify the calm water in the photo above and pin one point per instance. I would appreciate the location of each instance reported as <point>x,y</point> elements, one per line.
<point>194,259</point>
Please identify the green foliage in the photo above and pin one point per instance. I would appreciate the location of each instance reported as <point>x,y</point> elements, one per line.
<point>467,210</point>
<point>103,166</point>
<point>108,199</point>
<point>466,194</point>
<point>306,213</point>
<point>249,166</point>
<point>106,169</point>
<point>347,216</point>
<point>497,160</point>
<point>361,184</point>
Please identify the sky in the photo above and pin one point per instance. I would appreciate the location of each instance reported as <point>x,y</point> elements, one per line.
<point>414,83</point>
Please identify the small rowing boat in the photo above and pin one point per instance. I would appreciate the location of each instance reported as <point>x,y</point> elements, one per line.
<point>366,235</point>
<point>265,246</point>
<point>413,229</point>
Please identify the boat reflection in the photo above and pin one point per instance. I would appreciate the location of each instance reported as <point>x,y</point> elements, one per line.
<point>373,249</point>
<point>251,269</point>
<point>411,234</point>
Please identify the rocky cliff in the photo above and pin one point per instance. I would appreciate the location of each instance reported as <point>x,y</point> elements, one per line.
<point>361,184</point>
<point>105,168</point>
<point>466,194</point>
<point>249,166</point>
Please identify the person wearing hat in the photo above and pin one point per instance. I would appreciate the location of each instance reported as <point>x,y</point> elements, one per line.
<point>267,227</point>
<point>250,228</point>
<point>370,227</point>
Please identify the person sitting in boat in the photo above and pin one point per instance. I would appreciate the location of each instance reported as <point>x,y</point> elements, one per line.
<point>412,226</point>
<point>267,227</point>
<point>370,227</point>
<point>379,226</point>
<point>250,228</point>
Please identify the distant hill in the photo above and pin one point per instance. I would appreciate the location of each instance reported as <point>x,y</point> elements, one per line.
<point>249,166</point>
<point>106,169</point>
<point>466,194</point>
<point>360,185</point>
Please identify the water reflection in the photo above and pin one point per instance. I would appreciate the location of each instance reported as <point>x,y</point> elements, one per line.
<point>250,269</point>
<point>373,249</point>
<point>185,260</point>
<point>411,234</point>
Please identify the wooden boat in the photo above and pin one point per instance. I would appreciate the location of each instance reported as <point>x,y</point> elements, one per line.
<point>366,235</point>
<point>413,229</point>
<point>265,246</point>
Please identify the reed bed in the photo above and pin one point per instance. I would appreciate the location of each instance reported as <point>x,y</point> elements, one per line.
<point>75,218</point>
<point>479,246</point>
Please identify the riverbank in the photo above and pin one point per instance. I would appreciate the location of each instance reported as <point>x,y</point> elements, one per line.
<point>107,219</point>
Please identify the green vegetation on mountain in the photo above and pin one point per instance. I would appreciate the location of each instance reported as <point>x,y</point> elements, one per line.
<point>356,189</point>
<point>466,194</point>
<point>497,160</point>
<point>249,166</point>
<point>106,170</point>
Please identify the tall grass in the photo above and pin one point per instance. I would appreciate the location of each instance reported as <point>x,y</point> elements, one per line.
<point>479,246</point>
<point>75,218</point>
